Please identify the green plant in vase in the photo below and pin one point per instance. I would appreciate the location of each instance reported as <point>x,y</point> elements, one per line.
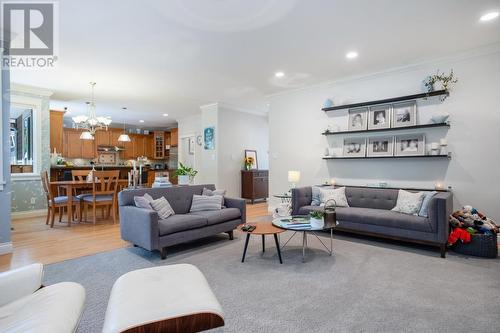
<point>185,174</point>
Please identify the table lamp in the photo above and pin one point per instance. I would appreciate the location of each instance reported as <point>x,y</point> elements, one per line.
<point>293,177</point>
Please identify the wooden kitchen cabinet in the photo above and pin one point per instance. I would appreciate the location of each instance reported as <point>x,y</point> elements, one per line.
<point>149,146</point>
<point>102,138</point>
<point>139,142</point>
<point>159,145</point>
<point>174,137</point>
<point>74,147</point>
<point>56,131</point>
<point>128,153</point>
<point>114,134</point>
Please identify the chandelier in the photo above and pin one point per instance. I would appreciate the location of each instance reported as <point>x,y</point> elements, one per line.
<point>91,123</point>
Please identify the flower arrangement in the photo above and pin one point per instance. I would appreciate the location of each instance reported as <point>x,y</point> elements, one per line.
<point>248,161</point>
<point>444,81</point>
<point>184,170</point>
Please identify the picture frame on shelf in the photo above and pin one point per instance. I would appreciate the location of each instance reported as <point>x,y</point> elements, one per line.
<point>354,147</point>
<point>358,119</point>
<point>379,116</point>
<point>404,114</point>
<point>410,145</point>
<point>252,154</point>
<point>380,146</point>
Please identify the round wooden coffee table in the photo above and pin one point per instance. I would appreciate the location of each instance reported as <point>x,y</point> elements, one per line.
<point>263,229</point>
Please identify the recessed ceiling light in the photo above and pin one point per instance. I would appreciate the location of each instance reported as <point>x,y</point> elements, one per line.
<point>351,55</point>
<point>165,115</point>
<point>279,74</point>
<point>141,121</point>
<point>488,16</point>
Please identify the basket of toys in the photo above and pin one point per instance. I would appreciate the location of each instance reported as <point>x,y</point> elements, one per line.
<point>473,233</point>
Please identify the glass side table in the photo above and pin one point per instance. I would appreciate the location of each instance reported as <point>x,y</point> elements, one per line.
<point>285,208</point>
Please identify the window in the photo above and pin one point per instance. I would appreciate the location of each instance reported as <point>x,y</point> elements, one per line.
<point>21,140</point>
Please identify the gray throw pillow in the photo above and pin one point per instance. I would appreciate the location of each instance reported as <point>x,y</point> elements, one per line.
<point>162,207</point>
<point>424,210</point>
<point>143,201</point>
<point>205,203</point>
<point>210,193</point>
<point>316,196</point>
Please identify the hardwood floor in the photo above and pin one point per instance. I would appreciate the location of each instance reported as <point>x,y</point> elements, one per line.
<point>34,241</point>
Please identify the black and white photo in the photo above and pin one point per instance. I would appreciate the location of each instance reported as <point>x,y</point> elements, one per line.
<point>358,119</point>
<point>380,146</point>
<point>404,114</point>
<point>410,145</point>
<point>379,117</point>
<point>355,147</point>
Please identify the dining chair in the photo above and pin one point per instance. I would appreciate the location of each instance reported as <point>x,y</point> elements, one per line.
<point>56,202</point>
<point>104,191</point>
<point>80,175</point>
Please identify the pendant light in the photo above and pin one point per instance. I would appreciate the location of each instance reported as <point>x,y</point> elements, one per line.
<point>124,137</point>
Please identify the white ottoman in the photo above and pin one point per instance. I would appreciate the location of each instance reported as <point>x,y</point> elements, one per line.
<point>175,298</point>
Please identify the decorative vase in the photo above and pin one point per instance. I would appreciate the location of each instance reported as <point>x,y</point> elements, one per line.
<point>328,103</point>
<point>248,167</point>
<point>317,223</point>
<point>426,85</point>
<point>183,180</point>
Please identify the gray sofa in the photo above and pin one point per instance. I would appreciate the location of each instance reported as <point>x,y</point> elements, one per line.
<point>369,213</point>
<point>143,228</point>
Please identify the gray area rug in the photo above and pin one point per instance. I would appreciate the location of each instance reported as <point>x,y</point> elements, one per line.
<point>368,285</point>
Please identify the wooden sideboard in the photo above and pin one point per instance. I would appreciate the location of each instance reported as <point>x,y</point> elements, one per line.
<point>254,184</point>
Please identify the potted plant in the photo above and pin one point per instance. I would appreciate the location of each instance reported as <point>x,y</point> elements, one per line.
<point>316,219</point>
<point>440,81</point>
<point>185,174</point>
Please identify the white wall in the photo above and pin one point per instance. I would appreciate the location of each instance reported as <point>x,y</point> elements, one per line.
<point>239,131</point>
<point>190,126</point>
<point>296,122</point>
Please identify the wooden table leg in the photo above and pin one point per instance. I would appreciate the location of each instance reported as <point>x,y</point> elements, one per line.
<point>245,249</point>
<point>69,193</point>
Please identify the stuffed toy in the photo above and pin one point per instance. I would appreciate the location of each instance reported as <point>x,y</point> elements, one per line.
<point>458,234</point>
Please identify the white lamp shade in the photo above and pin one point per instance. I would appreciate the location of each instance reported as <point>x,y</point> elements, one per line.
<point>124,138</point>
<point>293,176</point>
<point>86,136</point>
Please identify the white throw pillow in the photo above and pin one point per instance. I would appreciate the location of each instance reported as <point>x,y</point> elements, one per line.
<point>162,207</point>
<point>210,193</point>
<point>144,201</point>
<point>409,202</point>
<point>337,194</point>
<point>204,203</point>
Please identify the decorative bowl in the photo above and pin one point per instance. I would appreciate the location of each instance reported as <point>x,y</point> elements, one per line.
<point>440,118</point>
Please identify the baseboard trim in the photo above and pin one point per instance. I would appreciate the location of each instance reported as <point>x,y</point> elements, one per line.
<point>5,248</point>
<point>28,214</point>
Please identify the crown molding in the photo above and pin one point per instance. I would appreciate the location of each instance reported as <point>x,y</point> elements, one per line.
<point>25,89</point>
<point>455,57</point>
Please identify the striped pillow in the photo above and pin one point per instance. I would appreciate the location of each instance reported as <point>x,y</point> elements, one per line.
<point>162,207</point>
<point>204,203</point>
<point>210,193</point>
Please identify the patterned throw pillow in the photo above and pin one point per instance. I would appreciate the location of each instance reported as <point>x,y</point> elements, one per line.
<point>337,194</point>
<point>204,203</point>
<point>162,207</point>
<point>144,201</point>
<point>409,202</point>
<point>211,193</point>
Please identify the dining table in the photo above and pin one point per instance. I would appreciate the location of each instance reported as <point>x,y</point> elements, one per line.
<point>69,185</point>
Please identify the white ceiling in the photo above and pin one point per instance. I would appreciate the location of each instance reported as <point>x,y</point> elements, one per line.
<point>160,56</point>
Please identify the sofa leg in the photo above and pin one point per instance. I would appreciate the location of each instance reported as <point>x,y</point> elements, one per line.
<point>231,235</point>
<point>163,253</point>
<point>443,251</point>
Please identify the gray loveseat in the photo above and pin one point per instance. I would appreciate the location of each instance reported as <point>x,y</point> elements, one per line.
<point>143,228</point>
<point>369,213</point>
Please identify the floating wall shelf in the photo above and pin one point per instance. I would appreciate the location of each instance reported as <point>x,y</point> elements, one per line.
<point>388,129</point>
<point>448,156</point>
<point>389,100</point>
